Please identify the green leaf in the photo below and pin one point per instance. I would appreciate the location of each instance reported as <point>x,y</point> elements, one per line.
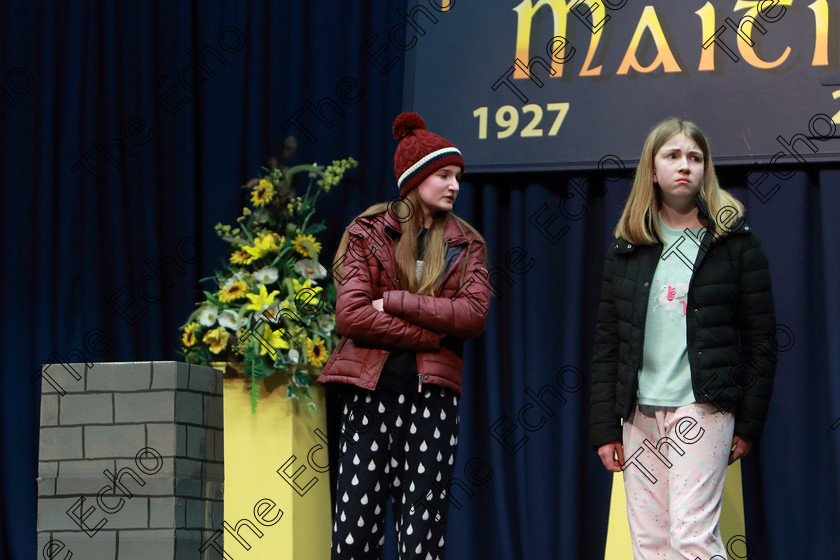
<point>301,378</point>
<point>311,248</point>
<point>213,299</point>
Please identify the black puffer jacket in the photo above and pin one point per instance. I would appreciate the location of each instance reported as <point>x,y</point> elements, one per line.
<point>730,326</point>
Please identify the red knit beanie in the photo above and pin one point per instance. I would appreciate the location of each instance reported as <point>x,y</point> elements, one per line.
<point>420,152</point>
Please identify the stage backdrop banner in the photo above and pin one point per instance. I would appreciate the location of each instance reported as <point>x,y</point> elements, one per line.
<point>553,84</point>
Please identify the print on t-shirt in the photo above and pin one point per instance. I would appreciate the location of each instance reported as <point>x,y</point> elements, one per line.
<point>671,297</point>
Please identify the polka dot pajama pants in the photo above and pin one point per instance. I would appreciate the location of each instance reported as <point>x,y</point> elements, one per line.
<point>397,447</point>
<point>675,461</point>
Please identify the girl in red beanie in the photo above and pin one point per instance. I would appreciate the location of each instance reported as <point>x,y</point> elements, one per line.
<point>412,286</point>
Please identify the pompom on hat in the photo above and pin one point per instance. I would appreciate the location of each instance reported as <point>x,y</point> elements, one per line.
<point>419,152</point>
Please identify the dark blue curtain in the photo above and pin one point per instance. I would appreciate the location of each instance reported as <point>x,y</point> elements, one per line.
<point>127,128</point>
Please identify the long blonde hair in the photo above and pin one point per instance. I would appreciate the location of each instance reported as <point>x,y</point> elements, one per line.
<point>434,257</point>
<point>639,222</point>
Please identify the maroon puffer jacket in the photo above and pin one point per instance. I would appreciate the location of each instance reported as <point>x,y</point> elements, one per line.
<point>433,326</point>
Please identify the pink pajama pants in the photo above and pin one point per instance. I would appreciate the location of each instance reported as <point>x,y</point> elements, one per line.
<point>675,461</point>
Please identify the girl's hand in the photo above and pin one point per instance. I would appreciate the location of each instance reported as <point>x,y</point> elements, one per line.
<point>378,304</point>
<point>740,447</point>
<point>608,454</point>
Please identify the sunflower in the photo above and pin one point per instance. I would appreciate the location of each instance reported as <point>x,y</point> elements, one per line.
<point>241,257</point>
<point>307,245</point>
<point>263,193</point>
<point>216,339</point>
<point>189,334</point>
<point>316,352</point>
<point>237,290</point>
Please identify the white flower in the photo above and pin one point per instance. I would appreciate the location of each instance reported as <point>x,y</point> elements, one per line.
<point>326,323</point>
<point>310,269</point>
<point>230,319</point>
<point>271,314</point>
<point>208,315</point>
<point>294,355</point>
<point>234,278</point>
<point>266,275</point>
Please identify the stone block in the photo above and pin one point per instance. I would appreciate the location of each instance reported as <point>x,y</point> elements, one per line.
<point>122,376</point>
<point>199,513</point>
<point>214,472</point>
<point>47,469</point>
<point>86,408</point>
<point>146,406</point>
<point>204,379</point>
<point>214,411</point>
<point>189,542</point>
<point>53,514</point>
<point>181,440</point>
<point>131,513</point>
<point>199,445</point>
<point>170,375</point>
<point>49,410</point>
<point>151,543</point>
<point>189,408</point>
<point>163,438</point>
<point>219,447</point>
<point>188,488</point>
<point>167,512</point>
<point>102,546</point>
<point>114,441</point>
<point>60,443</point>
<point>83,477</point>
<point>46,486</point>
<point>63,378</point>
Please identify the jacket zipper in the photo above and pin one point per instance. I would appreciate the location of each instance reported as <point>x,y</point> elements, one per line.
<point>419,383</point>
<point>454,266</point>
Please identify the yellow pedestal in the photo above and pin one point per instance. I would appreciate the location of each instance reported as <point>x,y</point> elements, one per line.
<point>282,437</point>
<point>619,545</point>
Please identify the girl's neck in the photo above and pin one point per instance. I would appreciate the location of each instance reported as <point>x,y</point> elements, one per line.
<point>680,218</point>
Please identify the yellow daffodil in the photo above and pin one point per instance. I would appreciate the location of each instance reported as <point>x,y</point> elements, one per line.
<point>316,352</point>
<point>297,286</point>
<point>189,334</point>
<point>216,339</point>
<point>272,342</point>
<point>263,193</point>
<point>237,290</point>
<point>261,300</point>
<point>304,244</point>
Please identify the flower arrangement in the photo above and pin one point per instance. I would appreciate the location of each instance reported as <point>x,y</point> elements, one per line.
<point>273,306</point>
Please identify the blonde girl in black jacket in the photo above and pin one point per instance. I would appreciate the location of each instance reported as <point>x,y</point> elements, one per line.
<point>684,351</point>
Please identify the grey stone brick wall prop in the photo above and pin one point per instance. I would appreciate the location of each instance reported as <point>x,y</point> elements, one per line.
<point>135,452</point>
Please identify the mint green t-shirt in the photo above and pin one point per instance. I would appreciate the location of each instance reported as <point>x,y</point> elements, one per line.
<point>665,376</point>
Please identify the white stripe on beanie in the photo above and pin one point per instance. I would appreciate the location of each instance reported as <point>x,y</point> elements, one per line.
<point>424,160</point>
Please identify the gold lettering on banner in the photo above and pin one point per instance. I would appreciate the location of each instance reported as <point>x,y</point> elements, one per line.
<point>707,21</point>
<point>664,56</point>
<point>757,15</point>
<point>747,25</point>
<point>820,9</point>
<point>598,14</point>
<point>525,14</point>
